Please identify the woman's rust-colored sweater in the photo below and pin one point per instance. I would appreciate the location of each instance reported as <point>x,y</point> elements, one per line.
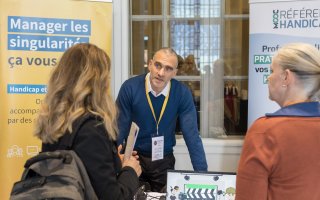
<point>280,159</point>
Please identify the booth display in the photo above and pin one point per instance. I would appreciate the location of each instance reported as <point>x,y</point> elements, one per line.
<point>282,22</point>
<point>34,34</point>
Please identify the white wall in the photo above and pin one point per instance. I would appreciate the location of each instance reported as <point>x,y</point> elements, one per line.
<point>222,154</point>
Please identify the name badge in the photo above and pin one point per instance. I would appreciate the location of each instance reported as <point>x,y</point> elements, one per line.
<point>157,148</point>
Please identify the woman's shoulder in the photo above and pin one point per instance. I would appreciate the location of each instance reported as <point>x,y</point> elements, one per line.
<point>89,124</point>
<point>262,123</point>
<point>92,132</point>
<point>270,122</point>
<point>86,119</point>
<point>87,129</point>
<point>268,127</point>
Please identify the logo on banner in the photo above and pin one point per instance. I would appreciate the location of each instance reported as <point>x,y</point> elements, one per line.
<point>296,18</point>
<point>15,151</point>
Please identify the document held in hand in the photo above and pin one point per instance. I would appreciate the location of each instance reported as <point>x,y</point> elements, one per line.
<point>131,140</point>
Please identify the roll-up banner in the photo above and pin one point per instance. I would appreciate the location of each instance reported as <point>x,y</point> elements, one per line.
<point>273,24</point>
<point>33,35</point>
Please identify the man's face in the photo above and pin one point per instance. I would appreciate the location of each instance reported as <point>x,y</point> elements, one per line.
<point>162,68</point>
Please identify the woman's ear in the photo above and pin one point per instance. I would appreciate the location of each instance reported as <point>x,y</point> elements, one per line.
<point>284,75</point>
<point>288,76</point>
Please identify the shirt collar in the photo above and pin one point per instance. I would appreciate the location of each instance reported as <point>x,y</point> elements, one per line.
<point>164,92</point>
<point>306,109</point>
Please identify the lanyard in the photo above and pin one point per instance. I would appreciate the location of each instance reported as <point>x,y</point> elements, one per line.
<point>164,105</point>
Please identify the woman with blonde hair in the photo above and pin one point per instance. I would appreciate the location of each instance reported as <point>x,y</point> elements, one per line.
<point>78,100</point>
<point>280,155</point>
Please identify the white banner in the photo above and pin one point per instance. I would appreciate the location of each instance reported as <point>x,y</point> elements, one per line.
<point>273,24</point>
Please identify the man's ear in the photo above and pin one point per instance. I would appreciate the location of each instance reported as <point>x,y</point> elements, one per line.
<point>175,72</point>
<point>150,64</point>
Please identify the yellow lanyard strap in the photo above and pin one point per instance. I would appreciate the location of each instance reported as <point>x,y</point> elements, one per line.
<point>164,105</point>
